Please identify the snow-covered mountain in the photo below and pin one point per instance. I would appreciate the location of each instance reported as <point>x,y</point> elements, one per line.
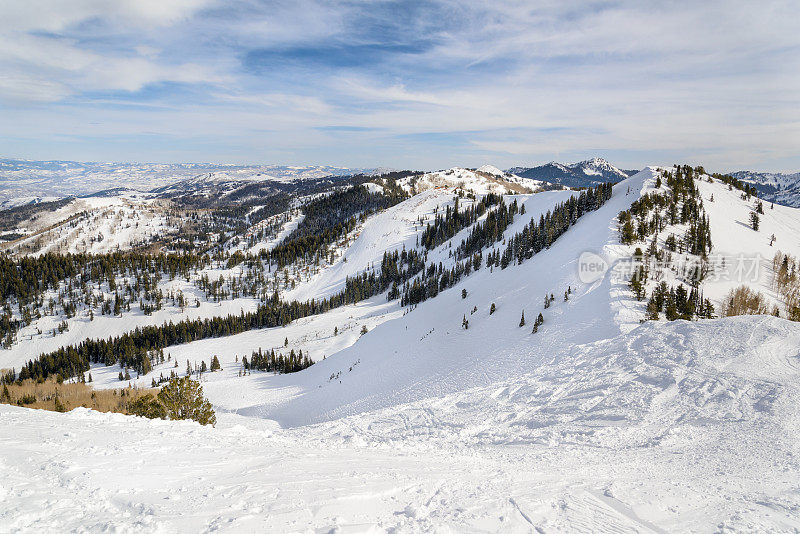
<point>582,174</point>
<point>774,187</point>
<point>454,413</point>
<point>483,180</point>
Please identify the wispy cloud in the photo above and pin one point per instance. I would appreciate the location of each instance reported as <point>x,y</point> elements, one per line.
<point>421,83</point>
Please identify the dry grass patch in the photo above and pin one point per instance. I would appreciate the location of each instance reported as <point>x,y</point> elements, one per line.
<point>50,395</point>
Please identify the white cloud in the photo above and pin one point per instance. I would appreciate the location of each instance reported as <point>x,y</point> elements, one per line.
<point>39,65</point>
<point>518,79</point>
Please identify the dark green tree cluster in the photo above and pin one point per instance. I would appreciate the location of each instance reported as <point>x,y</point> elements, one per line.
<point>87,281</point>
<point>748,189</point>
<point>537,236</point>
<point>678,303</point>
<point>489,231</point>
<point>134,349</point>
<point>681,204</point>
<point>446,225</point>
<point>277,363</point>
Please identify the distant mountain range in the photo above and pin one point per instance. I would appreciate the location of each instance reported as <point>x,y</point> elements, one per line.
<point>582,174</point>
<point>24,181</point>
<point>774,187</point>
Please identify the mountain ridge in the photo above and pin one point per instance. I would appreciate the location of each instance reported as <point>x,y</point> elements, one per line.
<point>584,173</point>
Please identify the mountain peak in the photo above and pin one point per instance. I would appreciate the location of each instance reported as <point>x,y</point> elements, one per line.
<point>582,174</point>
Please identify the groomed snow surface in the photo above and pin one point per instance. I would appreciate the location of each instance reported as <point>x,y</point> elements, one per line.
<point>594,424</point>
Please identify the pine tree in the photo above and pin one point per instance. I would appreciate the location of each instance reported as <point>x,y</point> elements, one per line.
<point>492,308</point>
<point>215,366</point>
<point>286,342</point>
<point>652,309</point>
<point>147,406</point>
<point>522,320</point>
<point>463,293</point>
<point>203,367</point>
<point>754,221</point>
<point>182,398</point>
<point>121,377</point>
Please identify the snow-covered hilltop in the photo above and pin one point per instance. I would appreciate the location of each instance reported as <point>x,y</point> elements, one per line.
<point>491,354</point>
<point>486,179</point>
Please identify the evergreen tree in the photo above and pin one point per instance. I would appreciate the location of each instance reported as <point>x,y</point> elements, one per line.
<point>754,221</point>
<point>147,406</point>
<point>522,320</point>
<point>492,308</point>
<point>215,366</point>
<point>652,309</point>
<point>182,398</point>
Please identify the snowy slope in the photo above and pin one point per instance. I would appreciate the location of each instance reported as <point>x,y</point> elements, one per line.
<point>595,423</point>
<point>95,224</point>
<point>391,230</point>
<point>662,431</point>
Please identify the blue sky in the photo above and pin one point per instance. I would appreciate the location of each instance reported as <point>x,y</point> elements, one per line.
<point>418,84</point>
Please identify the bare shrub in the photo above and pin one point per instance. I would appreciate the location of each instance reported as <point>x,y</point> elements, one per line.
<point>745,301</point>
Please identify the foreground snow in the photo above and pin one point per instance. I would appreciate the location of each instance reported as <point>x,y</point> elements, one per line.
<point>673,427</point>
